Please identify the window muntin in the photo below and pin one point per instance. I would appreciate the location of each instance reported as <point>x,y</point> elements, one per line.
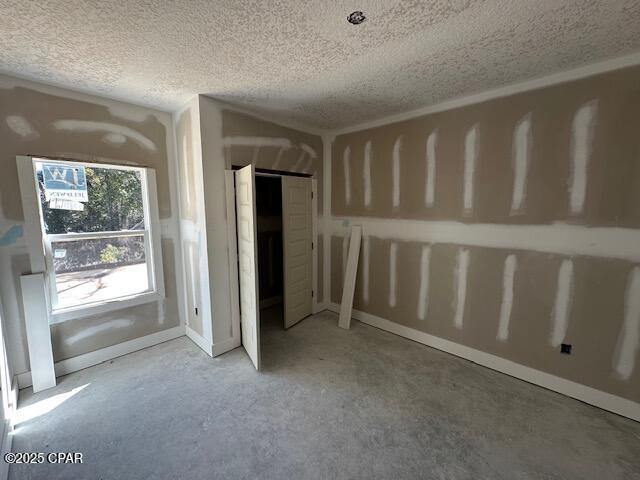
<point>102,253</point>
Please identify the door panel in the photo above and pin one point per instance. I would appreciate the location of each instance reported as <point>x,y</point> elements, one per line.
<point>296,240</point>
<point>248,262</point>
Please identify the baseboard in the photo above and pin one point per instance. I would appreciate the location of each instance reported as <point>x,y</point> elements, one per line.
<point>225,346</point>
<point>199,340</point>
<point>318,307</point>
<point>90,359</point>
<point>271,301</point>
<point>597,398</point>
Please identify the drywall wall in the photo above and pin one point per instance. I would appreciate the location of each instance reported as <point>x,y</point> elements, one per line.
<point>266,145</point>
<point>226,333</point>
<point>197,304</point>
<point>509,226</point>
<point>210,139</point>
<point>46,121</point>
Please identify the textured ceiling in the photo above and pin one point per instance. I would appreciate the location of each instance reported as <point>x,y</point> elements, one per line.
<point>301,60</point>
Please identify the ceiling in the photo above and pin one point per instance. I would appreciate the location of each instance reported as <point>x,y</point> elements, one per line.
<point>302,61</point>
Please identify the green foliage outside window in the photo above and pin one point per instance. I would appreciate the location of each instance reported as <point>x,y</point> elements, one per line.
<point>112,254</point>
<point>115,203</point>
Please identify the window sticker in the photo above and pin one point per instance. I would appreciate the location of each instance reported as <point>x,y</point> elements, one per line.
<point>65,183</point>
<point>64,204</point>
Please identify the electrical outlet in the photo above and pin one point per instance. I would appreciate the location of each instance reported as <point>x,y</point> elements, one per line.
<point>565,348</point>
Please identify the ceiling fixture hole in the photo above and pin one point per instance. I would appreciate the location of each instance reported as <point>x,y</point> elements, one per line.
<point>356,18</point>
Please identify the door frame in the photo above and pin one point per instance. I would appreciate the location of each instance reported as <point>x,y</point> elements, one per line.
<point>232,237</point>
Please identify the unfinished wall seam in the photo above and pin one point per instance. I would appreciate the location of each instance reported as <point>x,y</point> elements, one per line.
<point>423,292</point>
<point>430,182</point>
<point>562,305</point>
<point>559,238</point>
<point>582,129</point>
<point>470,159</point>
<point>508,274</point>
<point>522,142</point>
<point>366,174</point>
<point>395,172</point>
<point>86,126</point>
<point>460,286</point>
<point>393,274</point>
<point>346,162</point>
<point>629,338</point>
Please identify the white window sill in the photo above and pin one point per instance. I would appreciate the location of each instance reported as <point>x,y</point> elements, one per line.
<point>71,313</point>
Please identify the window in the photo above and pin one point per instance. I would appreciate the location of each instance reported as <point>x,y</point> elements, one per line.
<point>99,234</point>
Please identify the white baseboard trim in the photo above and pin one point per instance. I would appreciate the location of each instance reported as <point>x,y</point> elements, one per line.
<point>199,340</point>
<point>589,395</point>
<point>271,301</point>
<point>81,362</point>
<point>225,346</point>
<point>317,307</point>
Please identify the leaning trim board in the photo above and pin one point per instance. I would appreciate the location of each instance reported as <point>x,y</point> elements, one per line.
<point>36,319</point>
<point>597,398</point>
<point>349,286</point>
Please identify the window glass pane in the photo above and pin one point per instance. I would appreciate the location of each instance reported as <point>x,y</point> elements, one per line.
<point>101,269</point>
<point>114,201</point>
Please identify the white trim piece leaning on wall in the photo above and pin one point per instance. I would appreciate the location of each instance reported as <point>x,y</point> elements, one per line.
<point>597,398</point>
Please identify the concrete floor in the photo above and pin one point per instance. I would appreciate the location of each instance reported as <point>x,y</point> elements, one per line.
<point>98,284</point>
<point>330,404</point>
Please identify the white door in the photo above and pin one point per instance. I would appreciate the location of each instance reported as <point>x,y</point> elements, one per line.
<point>297,248</point>
<point>248,262</point>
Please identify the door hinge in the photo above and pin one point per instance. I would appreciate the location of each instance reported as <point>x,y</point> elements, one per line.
<point>311,293</point>
<point>311,245</point>
<point>311,195</point>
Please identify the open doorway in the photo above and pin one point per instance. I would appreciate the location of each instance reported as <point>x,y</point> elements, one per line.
<point>270,254</point>
<point>275,252</point>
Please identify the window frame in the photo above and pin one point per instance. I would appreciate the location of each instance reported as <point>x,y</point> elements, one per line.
<point>41,253</point>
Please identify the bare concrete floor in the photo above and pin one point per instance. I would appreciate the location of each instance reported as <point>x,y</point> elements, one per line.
<point>330,404</point>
